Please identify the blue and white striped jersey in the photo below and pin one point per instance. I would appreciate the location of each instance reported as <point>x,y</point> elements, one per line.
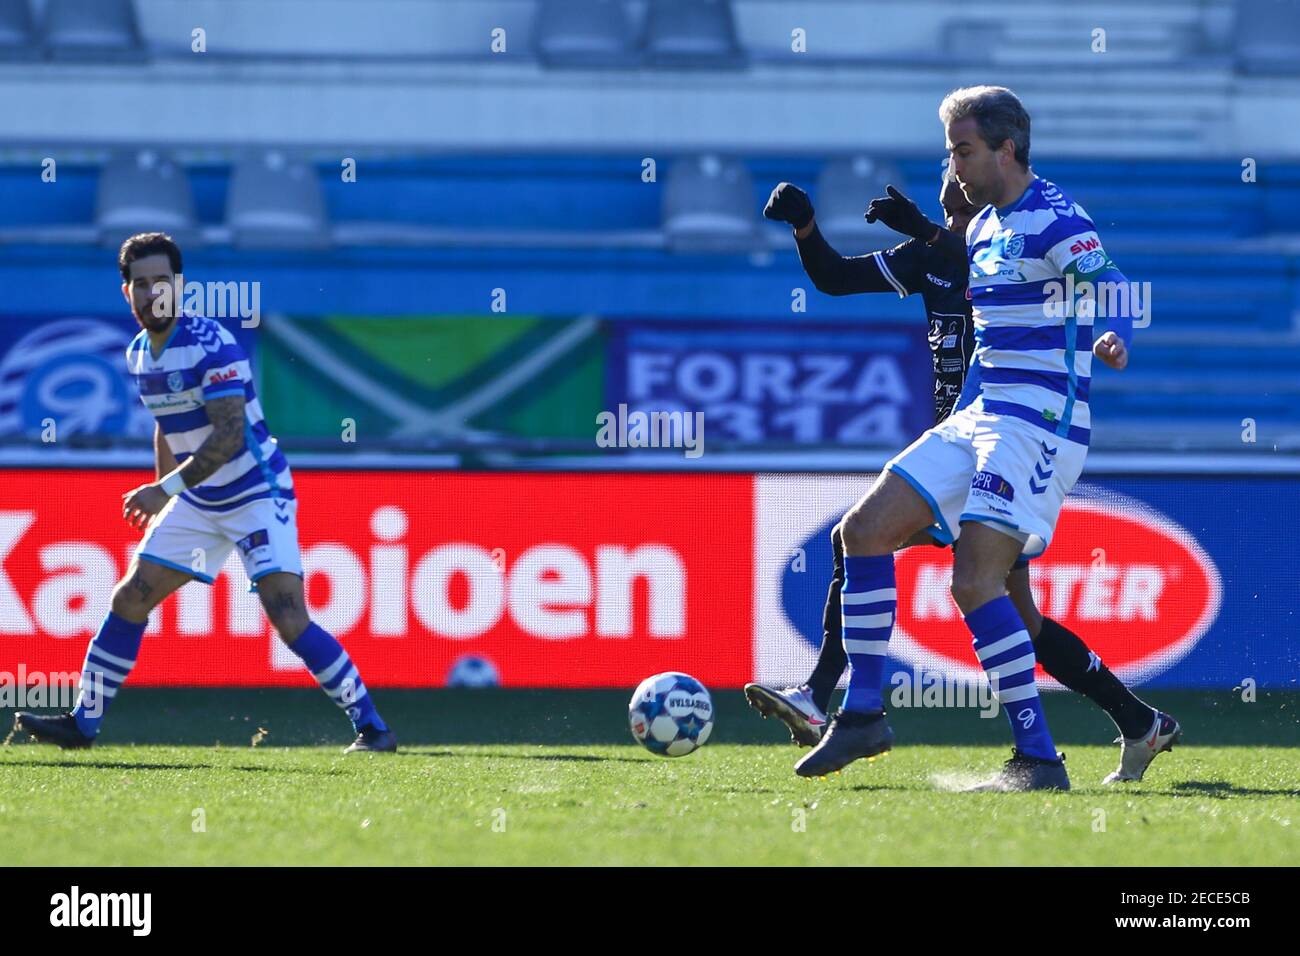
<point>200,361</point>
<point>1029,362</point>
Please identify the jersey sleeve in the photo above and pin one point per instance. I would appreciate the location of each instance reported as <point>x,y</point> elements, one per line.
<point>903,266</point>
<point>224,367</point>
<point>1077,251</point>
<point>889,270</point>
<point>1074,247</point>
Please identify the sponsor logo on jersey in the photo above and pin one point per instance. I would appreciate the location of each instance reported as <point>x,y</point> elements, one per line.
<point>942,283</point>
<point>989,483</point>
<point>1084,245</point>
<point>256,546</point>
<point>250,543</point>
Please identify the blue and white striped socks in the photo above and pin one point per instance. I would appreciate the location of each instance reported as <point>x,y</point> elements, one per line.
<point>867,602</point>
<point>109,658</point>
<point>330,664</point>
<point>1007,655</point>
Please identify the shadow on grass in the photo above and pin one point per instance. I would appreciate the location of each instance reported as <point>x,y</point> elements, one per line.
<point>575,718</point>
<point>549,758</point>
<point>1219,790</point>
<point>73,764</point>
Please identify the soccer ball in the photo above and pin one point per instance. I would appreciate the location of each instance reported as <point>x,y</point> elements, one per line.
<point>671,714</point>
<point>471,671</point>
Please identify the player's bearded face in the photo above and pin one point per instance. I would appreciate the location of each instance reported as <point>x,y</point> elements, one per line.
<point>149,290</point>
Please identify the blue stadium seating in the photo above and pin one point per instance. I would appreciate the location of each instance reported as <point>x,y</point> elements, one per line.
<point>1223,344</point>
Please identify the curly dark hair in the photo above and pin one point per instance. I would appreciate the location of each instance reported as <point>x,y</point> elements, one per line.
<point>147,244</point>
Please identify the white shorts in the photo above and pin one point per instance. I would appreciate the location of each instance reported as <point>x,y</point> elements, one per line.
<point>191,539</point>
<point>1004,472</point>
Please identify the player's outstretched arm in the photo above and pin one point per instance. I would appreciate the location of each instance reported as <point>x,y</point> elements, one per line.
<point>830,272</point>
<point>902,215</point>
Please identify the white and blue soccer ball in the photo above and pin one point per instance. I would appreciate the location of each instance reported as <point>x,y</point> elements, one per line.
<point>671,714</point>
<point>473,671</point>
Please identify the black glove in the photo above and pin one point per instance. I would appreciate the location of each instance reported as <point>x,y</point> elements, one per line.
<point>789,203</point>
<point>902,215</point>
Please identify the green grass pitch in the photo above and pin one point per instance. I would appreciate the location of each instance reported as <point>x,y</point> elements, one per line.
<point>553,777</point>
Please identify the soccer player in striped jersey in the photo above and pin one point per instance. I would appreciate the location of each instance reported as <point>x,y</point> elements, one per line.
<point>997,471</point>
<point>941,282</point>
<point>221,483</point>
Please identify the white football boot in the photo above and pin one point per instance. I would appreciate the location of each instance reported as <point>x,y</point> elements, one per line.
<point>794,707</point>
<point>1136,753</point>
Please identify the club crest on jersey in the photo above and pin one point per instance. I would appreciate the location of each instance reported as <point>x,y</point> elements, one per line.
<point>1015,246</point>
<point>175,381</point>
<point>1091,262</point>
<point>988,484</point>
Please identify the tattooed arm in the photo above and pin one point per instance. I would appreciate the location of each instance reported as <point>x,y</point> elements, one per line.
<point>226,413</point>
<point>227,417</point>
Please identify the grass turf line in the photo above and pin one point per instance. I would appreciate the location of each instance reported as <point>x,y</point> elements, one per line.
<point>552,777</point>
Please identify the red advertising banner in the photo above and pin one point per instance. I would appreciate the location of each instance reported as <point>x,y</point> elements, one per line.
<point>559,580</point>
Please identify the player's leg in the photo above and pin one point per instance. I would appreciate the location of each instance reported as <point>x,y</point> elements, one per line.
<point>921,488</point>
<point>890,513</point>
<point>1145,732</point>
<point>1013,504</point>
<point>110,656</point>
<point>178,546</point>
<point>285,604</point>
<point>831,659</point>
<point>803,708</point>
<point>1002,644</point>
<point>266,533</point>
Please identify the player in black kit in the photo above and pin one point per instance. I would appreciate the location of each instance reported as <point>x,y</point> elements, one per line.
<point>917,267</point>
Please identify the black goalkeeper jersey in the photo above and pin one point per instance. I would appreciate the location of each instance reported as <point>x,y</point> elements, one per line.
<point>909,268</point>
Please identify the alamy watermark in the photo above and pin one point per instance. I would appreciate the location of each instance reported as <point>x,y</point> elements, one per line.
<point>935,689</point>
<point>1098,300</point>
<point>57,690</point>
<point>638,429</point>
<point>215,300</point>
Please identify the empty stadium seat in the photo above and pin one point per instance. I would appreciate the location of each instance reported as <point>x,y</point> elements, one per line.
<point>276,203</point>
<point>709,206</point>
<point>844,189</point>
<point>584,33</point>
<point>144,192</point>
<point>92,30</point>
<point>17,31</point>
<point>1268,37</point>
<point>691,33</point>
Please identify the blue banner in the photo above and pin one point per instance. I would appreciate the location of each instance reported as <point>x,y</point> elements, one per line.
<point>792,383</point>
<point>1178,581</point>
<point>72,372</point>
